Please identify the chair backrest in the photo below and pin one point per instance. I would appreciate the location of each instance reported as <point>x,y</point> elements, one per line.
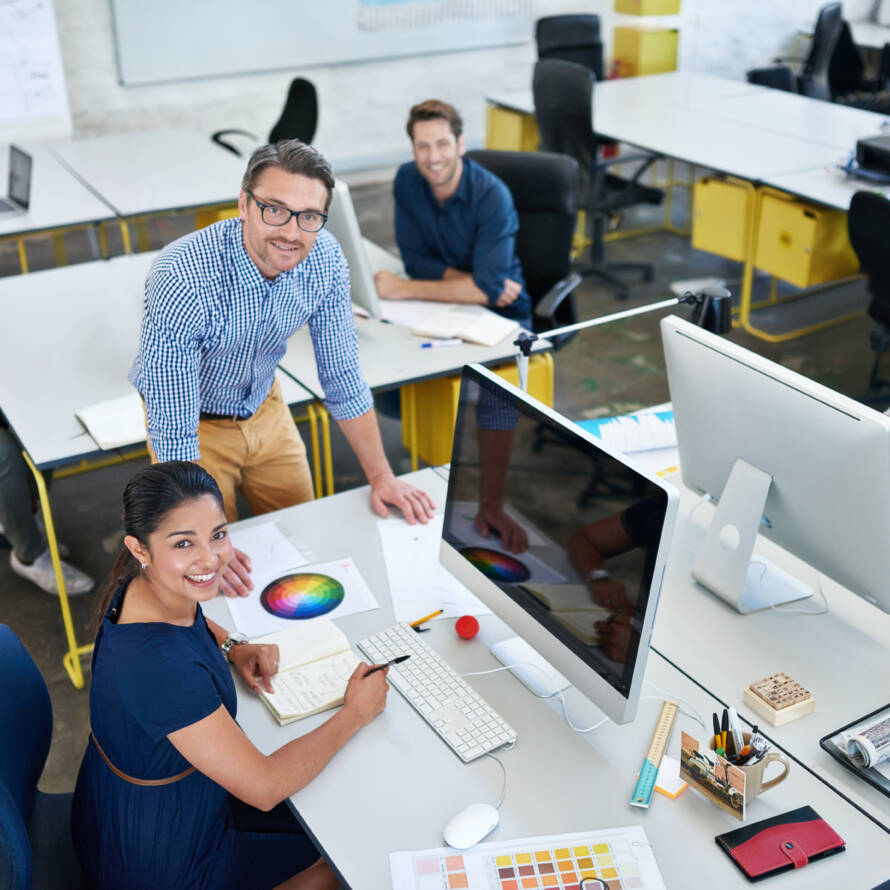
<point>814,78</point>
<point>26,726</point>
<point>779,77</point>
<point>545,191</point>
<point>868,224</point>
<point>846,70</point>
<point>573,38</point>
<point>563,93</point>
<point>299,118</point>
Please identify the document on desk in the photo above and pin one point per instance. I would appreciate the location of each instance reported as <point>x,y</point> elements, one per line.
<point>115,423</point>
<point>287,590</point>
<point>418,582</point>
<point>619,857</point>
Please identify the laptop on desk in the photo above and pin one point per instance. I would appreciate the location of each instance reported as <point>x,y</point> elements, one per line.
<point>18,189</point>
<point>364,257</point>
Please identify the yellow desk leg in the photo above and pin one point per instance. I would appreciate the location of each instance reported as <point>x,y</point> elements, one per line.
<point>125,236</point>
<point>409,416</point>
<point>325,418</point>
<point>316,451</point>
<point>103,241</point>
<point>23,255</point>
<point>748,248</point>
<point>59,249</point>
<point>71,660</point>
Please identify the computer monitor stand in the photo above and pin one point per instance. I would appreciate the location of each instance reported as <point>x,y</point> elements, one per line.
<point>724,564</point>
<point>529,667</point>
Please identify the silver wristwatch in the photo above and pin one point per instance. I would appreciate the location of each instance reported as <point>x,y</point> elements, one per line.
<point>233,639</point>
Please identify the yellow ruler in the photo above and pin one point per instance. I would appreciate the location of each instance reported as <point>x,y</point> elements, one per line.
<point>645,786</point>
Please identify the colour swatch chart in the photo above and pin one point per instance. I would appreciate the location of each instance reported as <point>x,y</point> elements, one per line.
<point>620,859</point>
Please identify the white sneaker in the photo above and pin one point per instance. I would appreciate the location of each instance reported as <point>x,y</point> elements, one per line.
<point>41,573</point>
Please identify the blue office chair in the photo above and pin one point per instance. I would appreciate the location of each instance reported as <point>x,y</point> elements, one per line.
<point>35,828</point>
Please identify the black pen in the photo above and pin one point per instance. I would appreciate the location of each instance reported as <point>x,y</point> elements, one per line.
<point>380,667</point>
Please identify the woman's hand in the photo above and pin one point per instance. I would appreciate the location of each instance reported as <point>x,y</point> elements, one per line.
<point>257,663</point>
<point>366,695</point>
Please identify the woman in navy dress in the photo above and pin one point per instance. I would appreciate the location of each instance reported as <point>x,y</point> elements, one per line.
<point>171,793</point>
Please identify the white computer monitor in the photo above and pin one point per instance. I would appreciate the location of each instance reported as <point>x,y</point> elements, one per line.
<point>805,466</point>
<point>579,537</point>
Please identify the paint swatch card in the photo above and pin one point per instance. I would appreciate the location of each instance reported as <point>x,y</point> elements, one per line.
<point>333,588</point>
<point>618,858</point>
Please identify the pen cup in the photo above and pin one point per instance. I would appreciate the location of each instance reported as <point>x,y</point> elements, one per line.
<point>754,782</point>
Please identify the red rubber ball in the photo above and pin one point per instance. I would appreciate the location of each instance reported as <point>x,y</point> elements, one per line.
<point>467,627</point>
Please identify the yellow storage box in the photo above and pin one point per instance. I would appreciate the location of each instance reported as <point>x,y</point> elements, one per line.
<point>638,51</point>
<point>509,130</point>
<point>801,243</point>
<point>436,402</point>
<point>648,7</point>
<point>721,216</point>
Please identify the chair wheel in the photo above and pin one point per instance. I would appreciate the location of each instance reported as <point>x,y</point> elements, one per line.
<point>621,295</point>
<point>648,274</point>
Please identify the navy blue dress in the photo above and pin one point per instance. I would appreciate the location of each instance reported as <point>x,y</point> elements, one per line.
<point>150,679</point>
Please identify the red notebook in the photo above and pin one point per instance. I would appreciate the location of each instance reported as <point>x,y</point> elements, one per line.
<point>781,843</point>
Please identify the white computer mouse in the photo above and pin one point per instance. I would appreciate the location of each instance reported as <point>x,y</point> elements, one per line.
<point>469,826</point>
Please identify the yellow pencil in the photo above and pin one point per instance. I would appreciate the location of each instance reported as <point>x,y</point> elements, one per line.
<point>426,618</point>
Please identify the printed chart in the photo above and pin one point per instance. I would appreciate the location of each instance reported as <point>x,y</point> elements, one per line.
<point>617,859</point>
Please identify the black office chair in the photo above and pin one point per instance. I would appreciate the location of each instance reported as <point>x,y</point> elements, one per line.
<point>298,120</point>
<point>573,38</point>
<point>36,852</point>
<point>868,224</point>
<point>545,189</point>
<point>779,77</point>
<point>563,94</point>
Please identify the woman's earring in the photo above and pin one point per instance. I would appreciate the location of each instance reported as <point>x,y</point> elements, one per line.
<point>144,566</point>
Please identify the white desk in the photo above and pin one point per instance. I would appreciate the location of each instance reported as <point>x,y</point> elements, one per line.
<point>154,171</point>
<point>396,784</point>
<point>841,657</point>
<point>825,185</point>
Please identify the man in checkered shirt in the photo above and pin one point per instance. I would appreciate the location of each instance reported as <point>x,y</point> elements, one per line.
<point>220,305</point>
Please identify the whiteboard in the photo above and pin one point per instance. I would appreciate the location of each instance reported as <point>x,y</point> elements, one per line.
<point>165,40</point>
<point>33,98</point>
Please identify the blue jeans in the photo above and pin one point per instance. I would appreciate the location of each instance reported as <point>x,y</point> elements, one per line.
<point>16,499</point>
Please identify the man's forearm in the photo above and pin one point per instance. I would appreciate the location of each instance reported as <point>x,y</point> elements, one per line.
<point>363,435</point>
<point>455,287</point>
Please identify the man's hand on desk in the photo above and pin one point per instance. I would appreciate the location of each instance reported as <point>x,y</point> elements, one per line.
<point>235,579</point>
<point>391,287</point>
<point>512,289</point>
<point>492,519</point>
<point>416,505</point>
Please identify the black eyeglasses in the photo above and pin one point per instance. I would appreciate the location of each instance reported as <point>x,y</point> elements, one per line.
<point>276,215</point>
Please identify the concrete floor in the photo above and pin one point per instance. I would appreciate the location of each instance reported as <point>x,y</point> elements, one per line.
<point>601,372</point>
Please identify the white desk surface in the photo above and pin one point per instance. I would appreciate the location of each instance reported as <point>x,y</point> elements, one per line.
<point>841,657</point>
<point>870,34</point>
<point>391,356</point>
<point>58,198</point>
<point>395,785</point>
<point>827,185</point>
<point>68,339</point>
<point>154,170</point>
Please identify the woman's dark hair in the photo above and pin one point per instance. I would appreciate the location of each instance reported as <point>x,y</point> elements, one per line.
<point>149,496</point>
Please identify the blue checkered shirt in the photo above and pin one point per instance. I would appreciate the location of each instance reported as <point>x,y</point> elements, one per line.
<point>215,329</point>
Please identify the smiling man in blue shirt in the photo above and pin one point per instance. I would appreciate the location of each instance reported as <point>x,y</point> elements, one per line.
<point>220,305</point>
<point>456,223</point>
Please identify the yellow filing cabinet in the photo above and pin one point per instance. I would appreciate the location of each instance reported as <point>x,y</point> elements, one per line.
<point>721,216</point>
<point>436,402</point>
<point>801,243</point>
<point>510,130</point>
<point>648,7</point>
<point>638,51</point>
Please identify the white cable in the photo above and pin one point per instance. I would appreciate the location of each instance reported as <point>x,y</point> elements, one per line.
<point>497,806</point>
<point>559,692</point>
<point>675,698</point>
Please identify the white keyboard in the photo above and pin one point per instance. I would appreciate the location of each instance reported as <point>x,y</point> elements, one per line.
<point>464,720</point>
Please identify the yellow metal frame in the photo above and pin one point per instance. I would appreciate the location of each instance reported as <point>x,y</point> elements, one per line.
<point>204,213</point>
<point>57,235</point>
<point>745,302</point>
<point>71,659</point>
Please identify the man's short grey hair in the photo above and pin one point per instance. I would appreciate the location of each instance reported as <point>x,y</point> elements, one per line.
<point>292,156</point>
